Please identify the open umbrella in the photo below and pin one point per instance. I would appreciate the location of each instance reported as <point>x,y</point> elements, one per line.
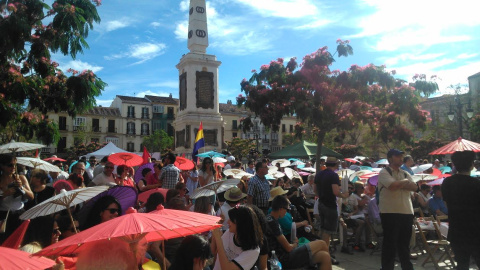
<point>138,173</point>
<point>383,161</point>
<point>373,180</point>
<point>125,158</point>
<point>352,160</point>
<point>424,177</point>
<point>283,162</point>
<point>163,224</point>
<point>211,154</point>
<point>236,173</point>
<point>445,169</point>
<point>421,168</point>
<point>290,173</point>
<point>62,184</point>
<point>343,172</point>
<point>14,259</point>
<point>13,147</point>
<point>457,145</point>
<point>214,188</point>
<point>275,174</point>
<point>87,165</point>
<point>15,239</point>
<point>37,163</point>
<point>184,164</point>
<point>61,201</point>
<point>309,169</point>
<point>437,182</point>
<point>219,160</point>
<point>358,174</point>
<point>54,159</point>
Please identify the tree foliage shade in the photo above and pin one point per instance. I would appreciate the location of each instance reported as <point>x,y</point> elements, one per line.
<point>240,148</point>
<point>326,100</point>
<point>158,141</point>
<point>30,82</point>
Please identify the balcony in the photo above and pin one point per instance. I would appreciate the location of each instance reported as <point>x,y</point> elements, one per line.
<point>78,128</point>
<point>131,131</point>
<point>112,130</point>
<point>145,132</point>
<point>63,127</point>
<point>97,129</point>
<point>131,115</point>
<point>146,116</point>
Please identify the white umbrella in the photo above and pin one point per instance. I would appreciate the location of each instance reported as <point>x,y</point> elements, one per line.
<point>382,162</point>
<point>359,173</point>
<point>309,169</point>
<point>297,163</point>
<point>345,173</point>
<point>214,188</point>
<point>421,168</point>
<point>219,160</point>
<point>272,168</point>
<point>424,177</point>
<point>64,200</point>
<point>360,158</point>
<point>236,173</point>
<point>290,173</point>
<point>283,162</point>
<point>13,147</point>
<point>276,174</point>
<point>37,163</point>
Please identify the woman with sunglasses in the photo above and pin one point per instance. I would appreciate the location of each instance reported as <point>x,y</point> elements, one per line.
<point>239,246</point>
<point>14,191</point>
<point>123,176</point>
<point>207,173</point>
<point>66,227</point>
<point>104,209</point>
<point>43,230</point>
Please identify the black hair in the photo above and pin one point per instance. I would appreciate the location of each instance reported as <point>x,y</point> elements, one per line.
<point>176,203</point>
<point>5,159</point>
<point>424,187</point>
<point>297,181</point>
<point>171,193</point>
<point>262,219</point>
<point>40,174</point>
<point>171,157</point>
<point>39,230</point>
<point>406,158</point>
<point>436,188</point>
<point>251,162</point>
<point>259,165</point>
<point>154,200</point>
<point>204,165</point>
<point>104,159</point>
<point>249,232</point>
<point>192,246</point>
<point>463,161</point>
<point>145,171</point>
<point>64,223</point>
<point>98,207</point>
<point>121,169</point>
<point>279,202</point>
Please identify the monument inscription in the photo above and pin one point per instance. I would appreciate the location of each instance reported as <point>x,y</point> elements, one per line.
<point>205,90</point>
<point>183,91</point>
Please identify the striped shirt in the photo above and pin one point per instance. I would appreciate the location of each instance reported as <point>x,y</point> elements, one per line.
<point>259,189</point>
<point>169,176</point>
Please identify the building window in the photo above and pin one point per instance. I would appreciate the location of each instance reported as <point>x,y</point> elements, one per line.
<point>62,123</point>
<point>156,125</point>
<point>130,147</point>
<point>170,130</point>
<point>234,134</point>
<point>131,112</point>
<point>291,128</point>
<point>158,108</point>
<point>170,113</point>
<point>283,128</point>
<point>62,145</point>
<point>130,128</point>
<point>234,125</point>
<point>96,125</point>
<point>111,126</point>
<point>145,129</point>
<point>145,113</point>
<point>79,123</point>
<point>113,140</point>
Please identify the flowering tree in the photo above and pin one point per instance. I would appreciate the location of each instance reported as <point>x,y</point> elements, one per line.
<point>31,84</point>
<point>328,100</point>
<point>240,148</point>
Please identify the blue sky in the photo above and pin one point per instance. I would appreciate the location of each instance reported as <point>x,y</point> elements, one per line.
<point>138,43</point>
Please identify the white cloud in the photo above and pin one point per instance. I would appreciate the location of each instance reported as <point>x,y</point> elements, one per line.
<point>167,84</point>
<point>318,23</point>
<point>116,24</point>
<point>151,93</point>
<point>466,55</point>
<point>155,24</point>
<point>282,8</point>
<point>184,5</point>
<point>141,51</point>
<point>80,66</point>
<point>407,57</point>
<point>104,102</point>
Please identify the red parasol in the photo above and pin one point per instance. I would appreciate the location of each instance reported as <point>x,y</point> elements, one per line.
<point>457,145</point>
<point>15,239</point>
<point>16,259</point>
<point>125,158</point>
<point>145,156</point>
<point>352,160</point>
<point>144,195</point>
<point>54,159</point>
<point>164,224</point>
<point>184,164</point>
<point>62,184</point>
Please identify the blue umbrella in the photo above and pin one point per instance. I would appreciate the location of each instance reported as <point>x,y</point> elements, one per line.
<point>87,164</point>
<point>445,169</point>
<point>211,154</point>
<point>366,168</point>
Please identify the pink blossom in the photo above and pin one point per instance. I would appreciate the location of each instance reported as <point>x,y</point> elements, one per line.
<point>254,71</point>
<point>11,7</point>
<point>264,67</point>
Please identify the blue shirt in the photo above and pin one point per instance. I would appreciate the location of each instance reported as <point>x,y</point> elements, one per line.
<point>435,204</point>
<point>407,169</point>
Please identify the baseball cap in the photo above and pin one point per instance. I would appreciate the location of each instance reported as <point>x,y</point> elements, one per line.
<point>394,152</point>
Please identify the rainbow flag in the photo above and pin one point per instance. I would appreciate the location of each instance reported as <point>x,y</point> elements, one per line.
<point>199,143</point>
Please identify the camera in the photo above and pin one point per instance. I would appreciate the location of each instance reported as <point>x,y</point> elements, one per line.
<point>18,190</point>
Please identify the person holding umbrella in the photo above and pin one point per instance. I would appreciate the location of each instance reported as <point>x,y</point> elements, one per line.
<point>206,174</point>
<point>123,178</point>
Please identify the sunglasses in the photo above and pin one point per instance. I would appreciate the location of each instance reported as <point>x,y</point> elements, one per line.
<point>56,231</point>
<point>113,210</point>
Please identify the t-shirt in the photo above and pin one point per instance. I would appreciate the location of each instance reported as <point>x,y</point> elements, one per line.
<point>244,259</point>
<point>152,179</point>
<point>224,211</point>
<point>398,201</point>
<point>273,231</point>
<point>39,197</point>
<point>461,193</point>
<point>324,181</point>
<point>205,176</point>
<point>103,179</point>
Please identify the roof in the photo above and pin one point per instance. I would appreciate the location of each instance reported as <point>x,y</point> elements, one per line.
<point>134,99</point>
<point>163,100</point>
<point>474,75</point>
<point>105,111</point>
<point>231,108</point>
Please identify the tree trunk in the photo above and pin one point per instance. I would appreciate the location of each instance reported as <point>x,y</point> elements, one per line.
<point>320,137</point>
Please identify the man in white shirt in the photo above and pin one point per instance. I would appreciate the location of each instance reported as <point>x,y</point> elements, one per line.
<point>93,162</point>
<point>309,189</point>
<point>232,197</point>
<point>106,178</point>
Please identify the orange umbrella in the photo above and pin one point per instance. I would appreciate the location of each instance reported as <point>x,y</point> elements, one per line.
<point>125,158</point>
<point>457,145</point>
<point>164,224</point>
<point>14,259</point>
<point>15,239</point>
<point>184,164</point>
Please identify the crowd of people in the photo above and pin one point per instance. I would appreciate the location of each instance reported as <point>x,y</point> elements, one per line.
<point>288,219</point>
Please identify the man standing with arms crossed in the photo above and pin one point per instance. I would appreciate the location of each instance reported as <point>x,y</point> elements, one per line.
<point>258,191</point>
<point>396,211</point>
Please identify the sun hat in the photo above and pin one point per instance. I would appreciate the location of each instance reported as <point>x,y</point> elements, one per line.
<point>276,191</point>
<point>234,194</point>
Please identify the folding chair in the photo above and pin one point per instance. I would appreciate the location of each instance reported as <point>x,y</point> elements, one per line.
<point>377,237</point>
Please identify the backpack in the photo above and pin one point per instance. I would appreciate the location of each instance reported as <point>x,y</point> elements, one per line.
<point>377,191</point>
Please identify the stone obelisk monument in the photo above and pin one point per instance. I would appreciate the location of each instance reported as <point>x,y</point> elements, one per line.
<point>198,88</point>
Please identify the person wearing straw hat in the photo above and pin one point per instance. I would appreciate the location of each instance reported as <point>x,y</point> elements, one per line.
<point>232,197</point>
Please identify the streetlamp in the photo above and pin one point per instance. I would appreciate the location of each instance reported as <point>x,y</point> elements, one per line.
<point>459,105</point>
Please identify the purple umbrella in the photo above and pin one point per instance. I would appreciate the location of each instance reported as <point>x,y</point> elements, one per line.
<point>138,174</point>
<point>373,180</point>
<point>126,196</point>
<point>437,182</point>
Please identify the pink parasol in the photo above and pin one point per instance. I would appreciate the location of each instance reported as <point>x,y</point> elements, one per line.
<point>457,145</point>
<point>14,259</point>
<point>142,197</point>
<point>15,239</point>
<point>125,158</point>
<point>184,164</point>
